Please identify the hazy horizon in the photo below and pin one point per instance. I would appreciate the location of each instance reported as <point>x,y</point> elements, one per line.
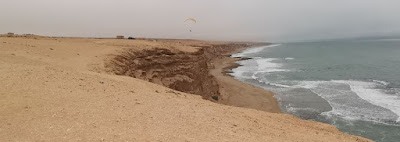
<point>233,20</point>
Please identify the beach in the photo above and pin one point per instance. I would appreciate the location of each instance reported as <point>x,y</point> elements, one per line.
<point>240,94</point>
<point>78,89</point>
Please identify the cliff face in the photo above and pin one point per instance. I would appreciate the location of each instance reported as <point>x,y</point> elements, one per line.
<point>176,70</point>
<point>182,71</point>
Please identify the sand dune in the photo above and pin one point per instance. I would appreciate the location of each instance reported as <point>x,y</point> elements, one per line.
<point>58,89</point>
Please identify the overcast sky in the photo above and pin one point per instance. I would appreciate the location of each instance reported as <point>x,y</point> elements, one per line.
<point>254,20</point>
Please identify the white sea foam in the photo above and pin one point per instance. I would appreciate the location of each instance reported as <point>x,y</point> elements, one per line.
<point>356,99</point>
<point>255,66</point>
<point>266,64</point>
<point>278,85</point>
<point>381,82</point>
<point>289,58</point>
<point>264,81</point>
<point>253,50</point>
<point>247,70</point>
<point>294,109</point>
<point>368,92</point>
<point>349,99</point>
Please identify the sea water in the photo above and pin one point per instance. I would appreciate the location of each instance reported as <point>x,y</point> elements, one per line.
<point>352,84</point>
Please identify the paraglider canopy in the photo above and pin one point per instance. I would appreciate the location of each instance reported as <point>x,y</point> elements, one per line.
<point>188,22</point>
<point>191,19</point>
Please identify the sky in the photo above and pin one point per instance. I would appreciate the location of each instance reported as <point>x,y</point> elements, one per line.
<point>228,20</point>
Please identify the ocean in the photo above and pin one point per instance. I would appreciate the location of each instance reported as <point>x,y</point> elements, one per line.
<point>351,84</point>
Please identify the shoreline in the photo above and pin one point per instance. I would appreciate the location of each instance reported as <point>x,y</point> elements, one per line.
<point>236,93</point>
<point>201,72</point>
<point>59,89</point>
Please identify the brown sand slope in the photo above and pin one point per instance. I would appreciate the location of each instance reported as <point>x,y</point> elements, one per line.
<point>57,90</point>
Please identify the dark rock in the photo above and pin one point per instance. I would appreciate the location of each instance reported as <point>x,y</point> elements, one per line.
<point>215,98</point>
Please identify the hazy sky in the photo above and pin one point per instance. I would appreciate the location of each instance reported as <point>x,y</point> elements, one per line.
<point>256,20</point>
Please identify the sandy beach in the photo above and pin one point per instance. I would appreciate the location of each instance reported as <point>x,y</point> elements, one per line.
<point>77,89</point>
<point>236,93</point>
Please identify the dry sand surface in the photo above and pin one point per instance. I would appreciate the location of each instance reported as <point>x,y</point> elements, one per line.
<point>58,89</point>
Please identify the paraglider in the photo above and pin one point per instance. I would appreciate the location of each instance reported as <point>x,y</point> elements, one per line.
<point>189,22</point>
<point>191,19</point>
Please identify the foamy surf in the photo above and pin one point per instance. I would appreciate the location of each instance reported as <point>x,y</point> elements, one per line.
<point>253,50</point>
<point>355,100</point>
<point>352,100</point>
<point>267,65</point>
<point>368,92</point>
<point>352,85</point>
<point>256,66</point>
